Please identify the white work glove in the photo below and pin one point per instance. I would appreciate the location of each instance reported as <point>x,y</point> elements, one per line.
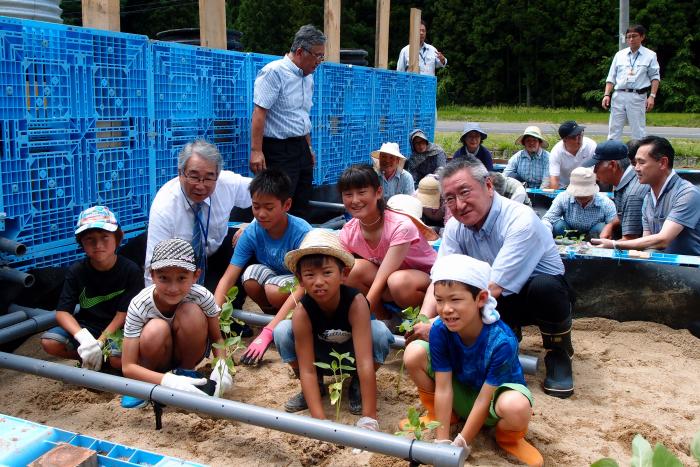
<point>183,383</point>
<point>90,350</point>
<point>223,383</point>
<point>368,423</point>
<point>461,443</point>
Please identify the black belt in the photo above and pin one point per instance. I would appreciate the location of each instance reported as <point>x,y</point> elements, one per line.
<point>285,140</point>
<point>638,91</point>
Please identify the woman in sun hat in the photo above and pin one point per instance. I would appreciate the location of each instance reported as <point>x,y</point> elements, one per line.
<point>426,157</point>
<point>471,139</point>
<point>530,165</point>
<point>428,193</point>
<point>389,162</point>
<point>581,208</point>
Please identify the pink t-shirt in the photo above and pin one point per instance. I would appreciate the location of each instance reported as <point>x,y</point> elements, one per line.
<point>398,229</point>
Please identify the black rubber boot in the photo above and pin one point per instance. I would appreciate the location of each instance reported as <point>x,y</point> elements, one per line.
<point>559,381</point>
<point>297,402</point>
<point>355,396</point>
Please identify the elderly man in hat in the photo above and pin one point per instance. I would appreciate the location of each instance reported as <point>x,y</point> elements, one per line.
<point>389,162</point>
<point>670,214</point>
<point>471,140</point>
<point>572,151</point>
<point>580,208</point>
<point>527,273</point>
<point>530,165</point>
<point>612,167</point>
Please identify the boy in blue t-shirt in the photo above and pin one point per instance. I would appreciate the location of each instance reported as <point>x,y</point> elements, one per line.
<point>471,365</point>
<point>269,237</point>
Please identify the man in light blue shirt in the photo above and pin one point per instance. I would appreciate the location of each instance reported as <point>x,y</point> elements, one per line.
<point>281,126</point>
<point>429,58</point>
<point>633,73</point>
<point>670,213</point>
<point>527,273</point>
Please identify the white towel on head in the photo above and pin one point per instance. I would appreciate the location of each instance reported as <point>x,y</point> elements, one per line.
<point>465,269</point>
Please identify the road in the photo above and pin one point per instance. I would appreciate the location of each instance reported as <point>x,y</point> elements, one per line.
<point>551,129</point>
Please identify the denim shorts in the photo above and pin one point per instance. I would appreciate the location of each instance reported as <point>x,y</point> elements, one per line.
<point>59,334</point>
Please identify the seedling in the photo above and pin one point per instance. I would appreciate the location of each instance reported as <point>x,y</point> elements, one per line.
<point>232,341</point>
<point>335,389</point>
<point>411,316</point>
<point>644,456</point>
<point>112,340</point>
<point>415,426</point>
<point>289,287</point>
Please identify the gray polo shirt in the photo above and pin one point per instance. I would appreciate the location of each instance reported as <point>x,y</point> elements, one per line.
<point>679,202</point>
<point>629,197</point>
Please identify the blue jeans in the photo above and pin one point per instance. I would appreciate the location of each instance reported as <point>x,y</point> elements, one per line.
<point>560,226</point>
<point>59,334</point>
<point>382,339</point>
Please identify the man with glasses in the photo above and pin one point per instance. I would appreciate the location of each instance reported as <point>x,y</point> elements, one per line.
<point>429,58</point>
<point>527,273</point>
<point>612,166</point>
<point>281,126</point>
<point>572,151</point>
<point>195,206</point>
<point>633,74</point>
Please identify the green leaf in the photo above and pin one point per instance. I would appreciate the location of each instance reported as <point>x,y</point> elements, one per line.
<point>423,319</point>
<point>335,396</point>
<point>229,363</point>
<point>226,312</point>
<point>641,452</point>
<point>662,457</point>
<point>695,447</point>
<point>400,433</point>
<point>347,368</point>
<point>432,425</point>
<point>418,434</point>
<point>231,341</point>
<point>334,365</point>
<point>226,329</point>
<point>605,462</point>
<point>323,365</point>
<point>413,417</point>
<point>216,345</point>
<point>232,293</point>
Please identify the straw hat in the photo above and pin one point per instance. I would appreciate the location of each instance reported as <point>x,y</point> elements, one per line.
<point>535,132</point>
<point>393,150</point>
<point>318,242</point>
<point>413,208</point>
<point>582,182</point>
<point>429,192</point>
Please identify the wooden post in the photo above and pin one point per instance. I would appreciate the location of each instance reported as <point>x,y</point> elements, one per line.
<point>381,39</point>
<point>101,14</point>
<point>414,41</point>
<point>212,24</point>
<point>331,28</point>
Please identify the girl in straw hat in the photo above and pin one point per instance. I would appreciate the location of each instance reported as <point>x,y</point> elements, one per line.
<point>394,257</point>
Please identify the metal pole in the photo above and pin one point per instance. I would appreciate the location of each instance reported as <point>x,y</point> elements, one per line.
<point>18,277</point>
<point>529,363</point>
<point>27,327</point>
<point>12,318</point>
<point>624,23</point>
<point>12,247</point>
<point>324,430</point>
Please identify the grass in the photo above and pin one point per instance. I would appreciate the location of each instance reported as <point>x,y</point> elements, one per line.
<point>502,113</point>
<point>503,146</point>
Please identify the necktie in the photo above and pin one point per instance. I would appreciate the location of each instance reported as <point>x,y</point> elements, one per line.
<point>199,243</point>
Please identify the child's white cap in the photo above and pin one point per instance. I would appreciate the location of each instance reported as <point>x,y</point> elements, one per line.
<point>470,271</point>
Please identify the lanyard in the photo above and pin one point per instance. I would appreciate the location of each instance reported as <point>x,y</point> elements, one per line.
<point>635,59</point>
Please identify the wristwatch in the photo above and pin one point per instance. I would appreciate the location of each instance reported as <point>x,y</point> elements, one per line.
<point>652,95</point>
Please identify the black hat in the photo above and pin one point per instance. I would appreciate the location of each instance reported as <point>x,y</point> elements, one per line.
<point>570,128</point>
<point>610,150</point>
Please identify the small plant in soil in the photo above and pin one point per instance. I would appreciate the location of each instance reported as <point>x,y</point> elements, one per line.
<point>569,238</point>
<point>416,426</point>
<point>337,366</point>
<point>232,341</point>
<point>411,316</point>
<point>289,287</point>
<point>644,456</point>
<point>112,340</point>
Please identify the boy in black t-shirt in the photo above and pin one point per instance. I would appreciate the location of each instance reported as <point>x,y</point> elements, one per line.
<point>102,284</point>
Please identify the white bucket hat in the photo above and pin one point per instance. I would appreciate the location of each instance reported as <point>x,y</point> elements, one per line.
<point>413,208</point>
<point>535,132</point>
<point>582,182</point>
<point>393,150</point>
<point>318,242</point>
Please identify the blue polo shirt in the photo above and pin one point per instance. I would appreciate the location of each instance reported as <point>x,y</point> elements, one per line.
<point>679,202</point>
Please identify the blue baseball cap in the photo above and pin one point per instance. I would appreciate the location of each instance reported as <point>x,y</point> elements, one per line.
<point>609,150</point>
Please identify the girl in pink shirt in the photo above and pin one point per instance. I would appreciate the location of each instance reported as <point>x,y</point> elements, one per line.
<point>395,259</point>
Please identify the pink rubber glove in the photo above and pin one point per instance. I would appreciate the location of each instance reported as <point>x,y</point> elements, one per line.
<point>257,348</point>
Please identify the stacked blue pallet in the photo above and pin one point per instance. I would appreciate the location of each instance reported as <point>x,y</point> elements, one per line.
<point>95,117</point>
<point>74,126</point>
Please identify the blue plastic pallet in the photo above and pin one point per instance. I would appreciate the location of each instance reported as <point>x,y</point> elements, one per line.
<point>24,442</point>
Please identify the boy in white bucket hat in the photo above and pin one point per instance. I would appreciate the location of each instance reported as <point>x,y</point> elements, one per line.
<point>580,208</point>
<point>389,162</point>
<point>471,364</point>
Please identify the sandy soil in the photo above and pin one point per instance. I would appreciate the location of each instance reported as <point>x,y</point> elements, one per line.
<point>630,378</point>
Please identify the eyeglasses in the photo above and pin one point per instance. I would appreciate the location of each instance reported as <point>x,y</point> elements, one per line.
<point>319,57</point>
<point>463,195</point>
<point>193,179</point>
